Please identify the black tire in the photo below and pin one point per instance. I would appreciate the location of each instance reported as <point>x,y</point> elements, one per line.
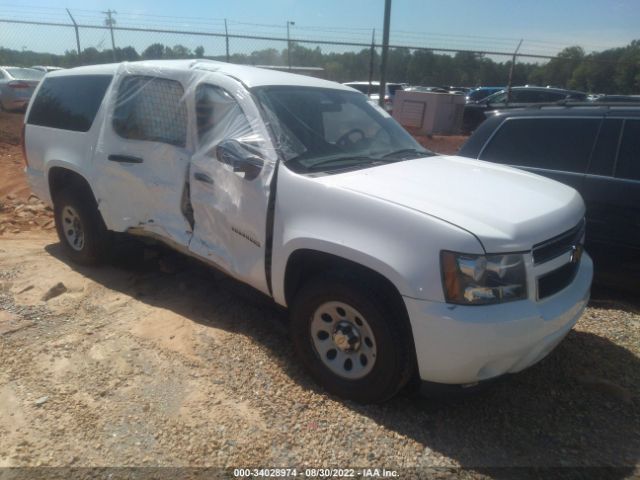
<point>97,240</point>
<point>394,364</point>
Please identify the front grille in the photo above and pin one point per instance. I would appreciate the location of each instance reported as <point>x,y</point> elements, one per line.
<point>550,249</point>
<point>555,281</point>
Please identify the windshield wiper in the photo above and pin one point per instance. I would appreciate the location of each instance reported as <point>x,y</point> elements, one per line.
<point>339,162</point>
<point>415,151</point>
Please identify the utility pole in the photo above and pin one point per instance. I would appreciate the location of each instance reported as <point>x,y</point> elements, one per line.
<point>289,22</point>
<point>110,22</point>
<point>372,54</point>
<point>513,64</point>
<point>226,37</point>
<point>385,52</point>
<point>75,26</point>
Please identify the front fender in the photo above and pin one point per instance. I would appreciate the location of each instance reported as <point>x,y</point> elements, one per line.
<point>337,250</point>
<point>399,243</point>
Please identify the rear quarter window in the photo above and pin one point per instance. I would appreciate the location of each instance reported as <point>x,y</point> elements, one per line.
<point>69,102</point>
<point>562,144</point>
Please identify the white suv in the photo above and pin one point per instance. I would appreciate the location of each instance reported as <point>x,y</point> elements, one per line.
<point>393,261</point>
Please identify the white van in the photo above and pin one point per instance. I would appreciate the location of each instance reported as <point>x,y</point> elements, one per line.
<point>394,262</point>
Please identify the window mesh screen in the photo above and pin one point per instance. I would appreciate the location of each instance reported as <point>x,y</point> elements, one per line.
<point>151,109</point>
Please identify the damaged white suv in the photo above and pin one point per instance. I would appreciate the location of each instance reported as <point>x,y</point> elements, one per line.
<point>394,262</point>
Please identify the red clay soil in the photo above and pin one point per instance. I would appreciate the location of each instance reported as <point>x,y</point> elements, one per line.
<point>13,181</point>
<point>19,210</point>
<point>444,144</point>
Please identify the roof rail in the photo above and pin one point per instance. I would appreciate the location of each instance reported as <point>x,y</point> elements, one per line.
<point>578,103</point>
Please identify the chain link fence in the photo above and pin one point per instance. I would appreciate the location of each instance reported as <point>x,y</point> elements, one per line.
<point>27,43</point>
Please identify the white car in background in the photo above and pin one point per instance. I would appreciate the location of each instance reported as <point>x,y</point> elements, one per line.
<point>372,90</point>
<point>16,86</point>
<point>394,262</point>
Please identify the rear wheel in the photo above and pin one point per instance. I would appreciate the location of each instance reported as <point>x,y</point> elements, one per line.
<point>81,230</point>
<point>353,343</point>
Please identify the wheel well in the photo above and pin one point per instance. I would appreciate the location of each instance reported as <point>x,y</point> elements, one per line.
<point>63,178</point>
<point>305,264</point>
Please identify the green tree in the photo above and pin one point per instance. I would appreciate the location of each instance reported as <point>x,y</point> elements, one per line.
<point>155,51</point>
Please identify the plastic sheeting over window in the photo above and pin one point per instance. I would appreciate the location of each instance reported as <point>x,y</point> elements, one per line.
<point>183,153</point>
<point>151,109</point>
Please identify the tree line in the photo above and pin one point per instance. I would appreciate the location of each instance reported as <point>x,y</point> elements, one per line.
<point>615,70</point>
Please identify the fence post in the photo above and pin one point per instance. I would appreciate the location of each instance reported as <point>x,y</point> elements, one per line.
<point>513,64</point>
<point>110,22</point>
<point>75,26</point>
<point>289,23</point>
<point>371,55</point>
<point>385,52</point>
<point>226,38</point>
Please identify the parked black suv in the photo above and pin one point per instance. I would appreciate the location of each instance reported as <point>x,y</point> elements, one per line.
<point>595,149</point>
<point>476,112</point>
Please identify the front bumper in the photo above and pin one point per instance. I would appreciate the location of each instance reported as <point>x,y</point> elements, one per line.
<point>467,344</point>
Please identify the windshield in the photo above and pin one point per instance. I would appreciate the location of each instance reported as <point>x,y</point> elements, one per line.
<point>365,88</point>
<point>481,93</point>
<point>374,89</point>
<point>498,97</point>
<point>326,130</point>
<point>25,73</point>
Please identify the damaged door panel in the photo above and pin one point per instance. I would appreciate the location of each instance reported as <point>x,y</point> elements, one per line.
<point>143,153</point>
<point>229,182</point>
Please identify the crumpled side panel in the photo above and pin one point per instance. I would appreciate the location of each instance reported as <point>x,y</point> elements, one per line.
<point>172,132</point>
<point>235,152</point>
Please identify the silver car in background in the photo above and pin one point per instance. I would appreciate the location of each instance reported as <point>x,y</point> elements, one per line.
<point>17,85</point>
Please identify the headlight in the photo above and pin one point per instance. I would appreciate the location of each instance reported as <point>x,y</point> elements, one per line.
<point>482,279</point>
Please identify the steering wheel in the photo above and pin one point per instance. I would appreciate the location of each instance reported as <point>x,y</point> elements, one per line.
<point>345,140</point>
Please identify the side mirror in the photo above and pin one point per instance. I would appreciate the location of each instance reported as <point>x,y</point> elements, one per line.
<point>242,158</point>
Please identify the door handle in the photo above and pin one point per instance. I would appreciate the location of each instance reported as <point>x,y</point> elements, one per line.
<point>125,159</point>
<point>203,177</point>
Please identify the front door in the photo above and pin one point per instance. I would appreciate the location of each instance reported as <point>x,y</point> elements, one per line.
<point>230,205</point>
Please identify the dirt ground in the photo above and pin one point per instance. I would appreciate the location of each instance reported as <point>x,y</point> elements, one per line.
<point>156,360</point>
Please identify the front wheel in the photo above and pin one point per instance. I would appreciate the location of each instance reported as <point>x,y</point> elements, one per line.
<point>353,343</point>
<point>81,230</point>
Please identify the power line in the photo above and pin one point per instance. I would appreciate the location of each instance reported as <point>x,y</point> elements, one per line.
<point>110,22</point>
<point>353,32</point>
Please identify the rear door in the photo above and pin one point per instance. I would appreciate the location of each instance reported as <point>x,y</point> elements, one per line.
<point>612,187</point>
<point>230,205</point>
<point>601,190</point>
<point>627,173</point>
<point>142,155</point>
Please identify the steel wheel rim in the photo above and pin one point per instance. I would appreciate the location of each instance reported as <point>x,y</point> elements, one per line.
<point>343,340</point>
<point>72,228</point>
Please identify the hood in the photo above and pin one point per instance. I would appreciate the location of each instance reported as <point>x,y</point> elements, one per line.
<point>507,209</point>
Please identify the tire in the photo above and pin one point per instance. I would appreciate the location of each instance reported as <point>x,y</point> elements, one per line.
<point>76,211</point>
<point>390,362</point>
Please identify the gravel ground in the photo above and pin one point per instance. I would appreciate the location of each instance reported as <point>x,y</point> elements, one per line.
<point>158,361</point>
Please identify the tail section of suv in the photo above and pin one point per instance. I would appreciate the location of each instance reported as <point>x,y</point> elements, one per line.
<point>517,97</point>
<point>393,262</point>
